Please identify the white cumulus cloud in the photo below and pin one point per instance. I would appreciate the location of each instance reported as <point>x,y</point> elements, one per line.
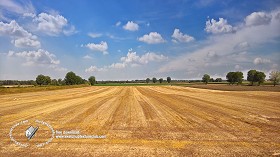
<point>221,26</point>
<point>95,69</point>
<point>179,36</point>
<point>40,57</point>
<point>152,38</point>
<point>102,47</point>
<point>131,59</point>
<point>87,57</point>
<point>53,25</point>
<point>258,18</point>
<point>118,65</point>
<point>95,35</point>
<point>21,37</point>
<point>259,60</point>
<point>131,26</point>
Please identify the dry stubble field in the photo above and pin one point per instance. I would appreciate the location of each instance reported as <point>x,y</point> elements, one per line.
<point>145,121</point>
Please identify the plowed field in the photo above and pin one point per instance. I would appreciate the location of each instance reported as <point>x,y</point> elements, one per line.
<point>143,121</point>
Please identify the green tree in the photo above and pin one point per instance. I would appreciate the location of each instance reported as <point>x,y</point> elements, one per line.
<point>59,81</point>
<point>43,80</point>
<point>251,76</point>
<point>47,80</point>
<point>160,80</point>
<point>218,80</point>
<point>230,77</point>
<point>54,82</point>
<point>168,79</point>
<point>238,77</point>
<point>205,78</point>
<point>211,80</point>
<point>274,76</point>
<point>91,80</point>
<point>259,77</point>
<point>147,80</point>
<point>71,78</point>
<point>40,79</point>
<point>79,80</point>
<point>154,80</point>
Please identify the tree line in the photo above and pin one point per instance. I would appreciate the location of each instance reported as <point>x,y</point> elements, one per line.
<point>70,79</point>
<point>154,80</point>
<point>252,76</point>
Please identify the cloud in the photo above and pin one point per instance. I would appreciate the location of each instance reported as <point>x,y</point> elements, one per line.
<point>117,65</point>
<point>118,24</point>
<point>95,35</point>
<point>27,42</point>
<point>238,67</point>
<point>53,25</point>
<point>40,57</point>
<point>32,15</point>
<point>21,38</point>
<point>87,57</point>
<point>102,47</point>
<point>258,18</point>
<point>221,53</point>
<point>131,26</point>
<point>179,36</point>
<point>152,38</point>
<point>217,27</point>
<point>94,69</point>
<point>131,59</point>
<point>242,46</point>
<point>258,61</point>
<point>17,7</point>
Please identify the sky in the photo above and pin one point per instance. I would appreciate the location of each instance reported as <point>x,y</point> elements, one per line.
<point>128,40</point>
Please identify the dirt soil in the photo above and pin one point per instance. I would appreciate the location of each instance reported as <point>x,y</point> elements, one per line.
<point>143,121</point>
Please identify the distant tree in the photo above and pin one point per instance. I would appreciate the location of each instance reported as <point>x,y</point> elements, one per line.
<point>218,80</point>
<point>147,80</point>
<point>233,77</point>
<point>238,77</point>
<point>274,76</point>
<point>168,79</point>
<point>59,81</point>
<point>40,79</point>
<point>47,80</point>
<point>54,82</point>
<point>230,77</point>
<point>160,80</point>
<point>79,80</point>
<point>63,83</point>
<point>211,80</point>
<point>205,78</point>
<point>71,79</point>
<point>255,76</point>
<point>91,80</point>
<point>259,77</point>
<point>251,76</point>
<point>32,82</point>
<point>154,80</point>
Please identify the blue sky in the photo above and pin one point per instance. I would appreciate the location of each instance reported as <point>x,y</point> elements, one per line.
<point>124,40</point>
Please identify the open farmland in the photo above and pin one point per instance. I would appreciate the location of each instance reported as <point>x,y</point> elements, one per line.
<point>145,121</point>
